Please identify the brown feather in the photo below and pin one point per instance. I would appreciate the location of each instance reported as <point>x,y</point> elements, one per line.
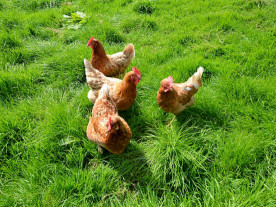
<point>116,141</point>
<point>111,65</point>
<point>122,92</point>
<point>125,92</point>
<point>181,95</point>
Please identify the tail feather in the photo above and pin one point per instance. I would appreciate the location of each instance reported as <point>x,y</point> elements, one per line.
<point>196,78</point>
<point>92,96</point>
<point>88,67</point>
<point>129,50</point>
<point>95,79</point>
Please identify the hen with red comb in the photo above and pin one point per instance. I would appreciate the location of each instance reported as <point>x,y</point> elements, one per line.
<point>106,128</point>
<point>176,97</point>
<point>123,92</point>
<point>110,65</point>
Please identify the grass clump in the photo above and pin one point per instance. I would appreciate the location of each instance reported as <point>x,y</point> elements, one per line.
<point>186,40</point>
<point>144,7</point>
<point>175,159</point>
<point>256,4</point>
<point>20,87</point>
<point>10,41</point>
<point>38,5</point>
<point>147,24</point>
<point>112,36</point>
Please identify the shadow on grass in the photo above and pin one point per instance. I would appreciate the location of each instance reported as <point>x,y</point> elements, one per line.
<point>132,166</point>
<point>202,118</point>
<point>137,122</point>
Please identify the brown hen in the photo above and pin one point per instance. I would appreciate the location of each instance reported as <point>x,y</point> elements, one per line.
<point>106,128</point>
<point>176,97</point>
<point>122,92</point>
<point>110,65</point>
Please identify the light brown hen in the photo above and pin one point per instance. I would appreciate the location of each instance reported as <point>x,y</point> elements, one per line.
<point>123,92</point>
<point>106,128</point>
<point>110,65</point>
<point>176,97</point>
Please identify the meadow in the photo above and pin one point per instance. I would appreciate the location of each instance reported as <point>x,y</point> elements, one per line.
<point>219,152</point>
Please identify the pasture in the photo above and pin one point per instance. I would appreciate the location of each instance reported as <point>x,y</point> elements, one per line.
<point>219,152</point>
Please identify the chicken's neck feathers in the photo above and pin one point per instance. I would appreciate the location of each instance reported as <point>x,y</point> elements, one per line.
<point>99,53</point>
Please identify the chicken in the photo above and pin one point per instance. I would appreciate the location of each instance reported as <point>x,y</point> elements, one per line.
<point>106,128</point>
<point>176,97</point>
<point>110,65</point>
<point>122,92</point>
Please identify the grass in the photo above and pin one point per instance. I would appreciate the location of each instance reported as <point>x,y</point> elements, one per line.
<point>219,152</point>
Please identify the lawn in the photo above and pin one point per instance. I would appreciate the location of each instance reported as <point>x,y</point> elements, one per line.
<point>219,152</point>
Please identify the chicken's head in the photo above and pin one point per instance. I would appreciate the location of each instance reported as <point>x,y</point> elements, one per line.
<point>167,84</point>
<point>112,125</point>
<point>135,76</point>
<point>91,42</point>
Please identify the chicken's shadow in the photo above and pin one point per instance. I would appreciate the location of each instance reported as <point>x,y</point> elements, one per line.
<point>137,122</point>
<point>132,166</point>
<point>201,118</point>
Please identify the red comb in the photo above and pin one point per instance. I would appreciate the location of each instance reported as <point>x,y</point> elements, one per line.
<point>91,39</point>
<point>137,72</point>
<point>170,79</point>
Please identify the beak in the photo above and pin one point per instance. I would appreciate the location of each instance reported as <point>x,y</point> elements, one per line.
<point>111,130</point>
<point>108,128</point>
<point>168,89</point>
<point>140,78</point>
<point>87,45</point>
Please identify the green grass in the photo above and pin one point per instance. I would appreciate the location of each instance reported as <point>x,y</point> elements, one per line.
<point>219,152</point>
